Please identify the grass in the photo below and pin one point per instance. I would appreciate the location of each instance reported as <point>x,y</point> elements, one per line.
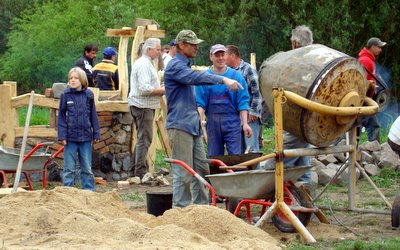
<point>132,197</point>
<point>388,177</point>
<point>386,244</point>
<point>39,116</point>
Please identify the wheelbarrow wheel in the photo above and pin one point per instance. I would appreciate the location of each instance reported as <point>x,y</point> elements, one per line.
<point>231,204</point>
<point>281,222</point>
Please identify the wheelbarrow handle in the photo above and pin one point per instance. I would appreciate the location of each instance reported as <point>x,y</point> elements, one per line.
<point>195,175</point>
<point>168,160</point>
<point>47,143</point>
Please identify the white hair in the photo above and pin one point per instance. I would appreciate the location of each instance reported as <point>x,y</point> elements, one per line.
<point>302,35</point>
<point>151,43</point>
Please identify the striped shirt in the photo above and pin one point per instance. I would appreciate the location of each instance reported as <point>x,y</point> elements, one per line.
<point>144,80</point>
<point>251,77</point>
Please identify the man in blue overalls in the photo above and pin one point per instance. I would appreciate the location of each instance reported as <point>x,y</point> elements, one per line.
<point>226,111</point>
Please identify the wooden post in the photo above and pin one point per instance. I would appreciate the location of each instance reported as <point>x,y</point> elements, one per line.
<point>8,114</point>
<point>123,66</point>
<point>139,37</point>
<point>253,60</point>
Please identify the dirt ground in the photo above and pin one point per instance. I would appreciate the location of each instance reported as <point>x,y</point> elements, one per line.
<point>344,225</point>
<point>113,218</point>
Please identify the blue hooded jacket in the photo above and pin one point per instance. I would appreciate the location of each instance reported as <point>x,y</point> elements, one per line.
<point>77,116</point>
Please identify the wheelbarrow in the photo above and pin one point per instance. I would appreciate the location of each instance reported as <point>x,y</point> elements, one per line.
<point>257,187</point>
<point>32,161</point>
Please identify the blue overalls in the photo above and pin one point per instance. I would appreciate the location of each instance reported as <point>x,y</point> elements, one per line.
<point>223,122</point>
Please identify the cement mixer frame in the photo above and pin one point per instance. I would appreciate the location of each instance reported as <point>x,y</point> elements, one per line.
<point>280,97</point>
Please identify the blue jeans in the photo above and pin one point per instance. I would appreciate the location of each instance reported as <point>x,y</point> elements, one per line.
<point>372,127</point>
<point>84,150</point>
<point>189,149</point>
<point>253,140</point>
<point>290,141</point>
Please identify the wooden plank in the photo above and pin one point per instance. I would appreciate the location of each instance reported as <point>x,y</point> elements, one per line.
<point>53,118</point>
<point>139,37</point>
<point>113,106</point>
<point>123,66</point>
<point>39,100</point>
<point>131,33</point>
<point>8,116</point>
<point>37,131</point>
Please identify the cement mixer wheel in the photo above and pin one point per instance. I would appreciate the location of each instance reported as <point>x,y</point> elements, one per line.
<point>396,212</point>
<point>281,222</point>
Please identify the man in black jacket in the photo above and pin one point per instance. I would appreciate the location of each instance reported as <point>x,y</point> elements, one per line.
<point>85,62</point>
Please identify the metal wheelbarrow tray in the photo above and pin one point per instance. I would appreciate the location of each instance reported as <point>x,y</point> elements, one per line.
<point>9,158</point>
<point>253,184</point>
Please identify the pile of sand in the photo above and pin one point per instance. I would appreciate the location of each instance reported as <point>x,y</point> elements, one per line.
<point>72,218</point>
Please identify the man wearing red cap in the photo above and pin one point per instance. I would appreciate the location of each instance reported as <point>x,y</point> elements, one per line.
<point>367,58</point>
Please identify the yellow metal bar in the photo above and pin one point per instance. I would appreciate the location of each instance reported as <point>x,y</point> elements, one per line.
<point>352,169</point>
<point>371,108</point>
<point>278,118</point>
<point>279,167</point>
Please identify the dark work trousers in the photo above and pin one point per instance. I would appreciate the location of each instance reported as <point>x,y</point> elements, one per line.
<point>395,147</point>
<point>143,119</point>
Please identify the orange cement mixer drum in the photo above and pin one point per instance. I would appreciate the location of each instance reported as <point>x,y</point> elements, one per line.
<point>322,75</point>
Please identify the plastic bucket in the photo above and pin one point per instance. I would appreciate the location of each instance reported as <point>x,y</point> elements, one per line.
<point>158,202</point>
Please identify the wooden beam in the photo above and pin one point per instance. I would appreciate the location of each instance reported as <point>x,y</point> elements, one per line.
<point>112,106</point>
<point>37,131</point>
<point>123,66</point>
<point>139,37</point>
<point>131,33</point>
<point>39,100</point>
<point>253,60</point>
<point>8,114</point>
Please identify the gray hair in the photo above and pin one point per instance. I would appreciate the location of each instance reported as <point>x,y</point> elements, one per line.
<point>302,35</point>
<point>150,43</point>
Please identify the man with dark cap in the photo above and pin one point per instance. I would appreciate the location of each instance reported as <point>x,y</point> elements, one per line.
<point>367,58</point>
<point>85,62</point>
<point>183,120</point>
<point>170,54</point>
<point>105,74</point>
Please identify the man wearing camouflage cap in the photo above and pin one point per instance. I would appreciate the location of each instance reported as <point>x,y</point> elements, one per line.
<point>183,120</point>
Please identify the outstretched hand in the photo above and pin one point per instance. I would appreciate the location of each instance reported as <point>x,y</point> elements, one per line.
<point>232,84</point>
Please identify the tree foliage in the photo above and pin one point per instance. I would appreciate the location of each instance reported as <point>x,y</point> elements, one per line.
<point>46,40</point>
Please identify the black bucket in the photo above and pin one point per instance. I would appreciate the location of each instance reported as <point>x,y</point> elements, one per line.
<point>158,202</point>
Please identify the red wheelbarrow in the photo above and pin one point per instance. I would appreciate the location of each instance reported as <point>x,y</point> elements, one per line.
<point>257,187</point>
<point>32,161</point>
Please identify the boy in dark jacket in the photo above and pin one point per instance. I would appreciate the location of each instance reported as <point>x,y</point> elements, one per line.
<point>77,126</point>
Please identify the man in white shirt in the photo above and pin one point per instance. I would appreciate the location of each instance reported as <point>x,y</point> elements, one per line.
<point>171,53</point>
<point>394,136</point>
<point>144,98</point>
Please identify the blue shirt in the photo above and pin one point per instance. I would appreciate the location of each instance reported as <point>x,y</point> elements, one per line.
<point>239,100</point>
<point>179,81</point>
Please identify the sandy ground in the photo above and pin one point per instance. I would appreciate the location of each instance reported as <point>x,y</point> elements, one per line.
<point>69,218</point>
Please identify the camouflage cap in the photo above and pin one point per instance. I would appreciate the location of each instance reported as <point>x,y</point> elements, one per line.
<point>187,36</point>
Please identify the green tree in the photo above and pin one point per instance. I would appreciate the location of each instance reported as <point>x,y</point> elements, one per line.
<point>46,40</point>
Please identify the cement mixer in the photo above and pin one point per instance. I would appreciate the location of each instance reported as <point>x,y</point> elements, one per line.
<point>322,75</point>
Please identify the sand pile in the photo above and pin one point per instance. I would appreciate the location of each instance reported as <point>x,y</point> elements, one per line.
<point>68,218</point>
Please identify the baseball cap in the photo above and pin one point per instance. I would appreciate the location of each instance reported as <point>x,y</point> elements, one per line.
<point>110,51</point>
<point>375,41</point>
<point>187,36</point>
<point>217,47</point>
<point>172,43</point>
